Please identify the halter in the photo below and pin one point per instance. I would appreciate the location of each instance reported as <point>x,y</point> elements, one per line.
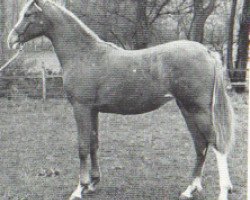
<point>21,47</point>
<point>28,24</point>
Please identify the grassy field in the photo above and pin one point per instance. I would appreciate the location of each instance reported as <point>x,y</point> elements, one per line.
<point>148,156</point>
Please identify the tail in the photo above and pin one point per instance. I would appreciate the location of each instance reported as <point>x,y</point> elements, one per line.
<point>222,111</point>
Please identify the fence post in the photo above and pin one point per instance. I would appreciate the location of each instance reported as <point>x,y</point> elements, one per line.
<point>44,81</point>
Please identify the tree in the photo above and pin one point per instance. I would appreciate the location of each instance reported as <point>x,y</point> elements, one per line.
<point>142,27</point>
<point>147,12</point>
<point>242,54</point>
<point>136,17</point>
<point>201,13</point>
<point>3,45</point>
<point>230,64</point>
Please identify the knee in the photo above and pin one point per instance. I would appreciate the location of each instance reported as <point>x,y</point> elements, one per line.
<point>94,147</point>
<point>94,143</point>
<point>83,152</point>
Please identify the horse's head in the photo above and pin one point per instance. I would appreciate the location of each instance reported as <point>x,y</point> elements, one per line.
<point>31,24</point>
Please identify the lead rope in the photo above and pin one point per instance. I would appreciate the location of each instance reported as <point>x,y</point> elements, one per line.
<point>12,59</point>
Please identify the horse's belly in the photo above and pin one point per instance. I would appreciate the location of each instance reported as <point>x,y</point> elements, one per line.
<point>129,106</point>
<point>132,99</point>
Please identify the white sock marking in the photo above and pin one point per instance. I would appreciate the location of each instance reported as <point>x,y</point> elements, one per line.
<point>196,185</point>
<point>225,183</point>
<point>77,192</point>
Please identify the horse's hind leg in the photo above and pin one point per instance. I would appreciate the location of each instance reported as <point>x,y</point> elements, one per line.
<point>196,185</point>
<point>201,146</point>
<point>225,182</point>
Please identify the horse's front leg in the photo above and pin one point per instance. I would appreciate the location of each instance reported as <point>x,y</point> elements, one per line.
<point>94,145</point>
<point>85,125</point>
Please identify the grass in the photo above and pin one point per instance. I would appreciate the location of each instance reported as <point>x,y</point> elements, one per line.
<point>147,156</point>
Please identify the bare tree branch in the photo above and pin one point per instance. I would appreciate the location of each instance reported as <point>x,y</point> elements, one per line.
<point>122,16</point>
<point>153,6</point>
<point>177,12</point>
<point>118,38</point>
<point>158,11</point>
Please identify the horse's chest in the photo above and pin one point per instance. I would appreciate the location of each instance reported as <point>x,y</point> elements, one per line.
<point>80,87</point>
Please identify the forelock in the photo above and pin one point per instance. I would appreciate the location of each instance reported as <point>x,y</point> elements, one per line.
<point>38,8</point>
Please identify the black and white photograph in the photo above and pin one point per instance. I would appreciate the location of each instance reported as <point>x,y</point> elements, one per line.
<point>124,99</point>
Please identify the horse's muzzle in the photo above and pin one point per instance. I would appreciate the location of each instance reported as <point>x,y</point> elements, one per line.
<point>13,40</point>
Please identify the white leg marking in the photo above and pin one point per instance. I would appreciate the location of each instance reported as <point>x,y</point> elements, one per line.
<point>225,183</point>
<point>196,185</point>
<point>85,177</point>
<point>77,193</point>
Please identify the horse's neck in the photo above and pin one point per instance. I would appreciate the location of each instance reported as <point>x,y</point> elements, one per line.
<point>68,34</point>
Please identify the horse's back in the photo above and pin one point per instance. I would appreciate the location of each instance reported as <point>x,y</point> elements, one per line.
<point>185,67</point>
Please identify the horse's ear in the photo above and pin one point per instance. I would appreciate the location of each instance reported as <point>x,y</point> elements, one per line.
<point>40,3</point>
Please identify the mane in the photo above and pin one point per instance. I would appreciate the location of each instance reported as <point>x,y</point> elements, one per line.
<point>84,27</point>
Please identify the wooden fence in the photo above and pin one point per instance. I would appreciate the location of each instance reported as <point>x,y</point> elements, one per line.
<point>40,86</point>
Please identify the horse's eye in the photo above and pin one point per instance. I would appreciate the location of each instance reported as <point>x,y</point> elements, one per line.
<point>27,15</point>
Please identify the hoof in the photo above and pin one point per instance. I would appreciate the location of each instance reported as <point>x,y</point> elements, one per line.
<point>75,198</point>
<point>89,189</point>
<point>79,193</point>
<point>83,189</point>
<point>76,194</point>
<point>184,197</point>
